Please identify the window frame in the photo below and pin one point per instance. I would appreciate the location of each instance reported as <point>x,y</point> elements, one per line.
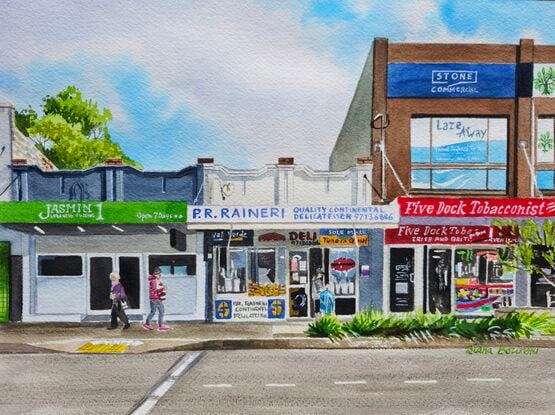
<point>432,167</point>
<point>43,254</point>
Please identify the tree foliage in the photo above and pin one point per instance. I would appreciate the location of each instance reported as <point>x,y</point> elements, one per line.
<point>530,247</point>
<point>73,131</point>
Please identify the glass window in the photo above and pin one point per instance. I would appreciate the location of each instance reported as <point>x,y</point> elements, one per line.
<point>60,265</point>
<point>175,265</point>
<point>459,153</point>
<point>249,270</point>
<point>545,153</point>
<point>232,275</point>
<point>343,271</point>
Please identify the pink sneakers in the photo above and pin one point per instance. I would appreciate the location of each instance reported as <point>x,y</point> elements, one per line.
<point>147,326</point>
<point>163,328</point>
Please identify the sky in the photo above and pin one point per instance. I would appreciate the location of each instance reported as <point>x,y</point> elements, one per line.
<point>243,81</point>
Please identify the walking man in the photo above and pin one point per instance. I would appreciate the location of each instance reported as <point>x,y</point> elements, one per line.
<point>157,295</point>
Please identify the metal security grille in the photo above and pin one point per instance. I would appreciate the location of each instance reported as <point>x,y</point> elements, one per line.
<point>4,281</point>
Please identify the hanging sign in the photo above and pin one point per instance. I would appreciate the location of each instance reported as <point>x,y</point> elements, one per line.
<point>477,207</point>
<point>444,234</point>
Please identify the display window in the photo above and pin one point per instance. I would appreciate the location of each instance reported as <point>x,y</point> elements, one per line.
<point>252,271</point>
<point>173,265</point>
<point>60,265</point>
<point>480,282</point>
<point>460,153</point>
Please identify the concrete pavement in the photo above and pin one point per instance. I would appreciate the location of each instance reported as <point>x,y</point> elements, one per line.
<point>94,338</point>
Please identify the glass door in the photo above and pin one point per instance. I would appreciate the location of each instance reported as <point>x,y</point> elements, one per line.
<point>129,269</point>
<point>439,280</point>
<point>100,268</point>
<point>298,284</point>
<point>401,277</point>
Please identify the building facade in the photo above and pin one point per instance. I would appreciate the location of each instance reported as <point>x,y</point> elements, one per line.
<point>455,128</point>
<point>274,237</point>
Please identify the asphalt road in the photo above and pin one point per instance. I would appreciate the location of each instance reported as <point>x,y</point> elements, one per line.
<point>78,384</point>
<point>438,382</point>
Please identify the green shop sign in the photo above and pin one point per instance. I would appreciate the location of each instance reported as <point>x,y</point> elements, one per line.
<point>93,212</point>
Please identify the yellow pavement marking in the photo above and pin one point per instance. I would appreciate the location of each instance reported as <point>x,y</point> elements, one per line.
<point>102,348</point>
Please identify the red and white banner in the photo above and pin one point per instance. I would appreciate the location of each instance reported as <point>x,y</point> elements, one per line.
<point>477,207</point>
<point>444,234</point>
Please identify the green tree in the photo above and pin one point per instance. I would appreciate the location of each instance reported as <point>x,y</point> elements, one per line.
<point>530,247</point>
<point>73,131</point>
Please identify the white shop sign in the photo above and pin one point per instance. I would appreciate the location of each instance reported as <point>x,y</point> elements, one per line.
<point>387,214</point>
<point>249,309</point>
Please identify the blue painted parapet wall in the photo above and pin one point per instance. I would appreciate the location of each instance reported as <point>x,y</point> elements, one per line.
<point>107,183</point>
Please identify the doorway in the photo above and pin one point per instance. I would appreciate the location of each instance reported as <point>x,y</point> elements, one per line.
<point>100,267</point>
<point>439,280</point>
<point>401,272</point>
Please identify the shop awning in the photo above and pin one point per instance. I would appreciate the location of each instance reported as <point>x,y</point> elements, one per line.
<point>84,230</point>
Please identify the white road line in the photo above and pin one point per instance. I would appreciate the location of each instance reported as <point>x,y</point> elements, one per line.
<point>159,390</point>
<point>219,385</point>
<point>280,385</point>
<point>163,388</point>
<point>484,380</point>
<point>420,381</point>
<point>350,382</point>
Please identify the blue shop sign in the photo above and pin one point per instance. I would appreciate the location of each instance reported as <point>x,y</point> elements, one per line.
<point>450,80</point>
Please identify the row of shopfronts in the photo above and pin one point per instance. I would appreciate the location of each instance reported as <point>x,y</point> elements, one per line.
<point>259,263</point>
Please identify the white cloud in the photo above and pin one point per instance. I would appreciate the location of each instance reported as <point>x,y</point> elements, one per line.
<point>252,71</point>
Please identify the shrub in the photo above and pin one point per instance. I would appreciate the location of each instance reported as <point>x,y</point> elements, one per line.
<point>365,323</point>
<point>327,326</point>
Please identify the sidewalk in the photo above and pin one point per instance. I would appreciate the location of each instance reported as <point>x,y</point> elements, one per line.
<point>94,338</point>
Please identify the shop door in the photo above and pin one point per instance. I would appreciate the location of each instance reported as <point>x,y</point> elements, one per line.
<point>4,281</point>
<point>401,277</point>
<point>298,292</point>
<point>439,280</point>
<point>100,267</point>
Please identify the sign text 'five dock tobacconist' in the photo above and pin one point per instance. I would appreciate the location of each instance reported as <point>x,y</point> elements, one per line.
<point>272,262</point>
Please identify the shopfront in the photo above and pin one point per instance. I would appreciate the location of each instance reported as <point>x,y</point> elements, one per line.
<point>455,268</point>
<point>452,255</point>
<point>269,271</point>
<point>74,246</point>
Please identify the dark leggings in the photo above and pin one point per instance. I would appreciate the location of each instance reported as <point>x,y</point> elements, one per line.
<point>117,311</point>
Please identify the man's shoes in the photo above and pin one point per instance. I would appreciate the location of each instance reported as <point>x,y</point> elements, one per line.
<point>163,328</point>
<point>126,326</point>
<point>111,328</point>
<point>147,326</point>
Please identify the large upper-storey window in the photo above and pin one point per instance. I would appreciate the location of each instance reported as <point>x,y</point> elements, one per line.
<point>545,153</point>
<point>459,153</point>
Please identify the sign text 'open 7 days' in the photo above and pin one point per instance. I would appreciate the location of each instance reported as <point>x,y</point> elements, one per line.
<point>93,212</point>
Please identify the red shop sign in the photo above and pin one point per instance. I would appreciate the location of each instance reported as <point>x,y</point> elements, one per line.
<point>444,234</point>
<point>477,207</point>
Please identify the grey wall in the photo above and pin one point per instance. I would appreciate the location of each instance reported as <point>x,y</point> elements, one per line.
<point>371,289</point>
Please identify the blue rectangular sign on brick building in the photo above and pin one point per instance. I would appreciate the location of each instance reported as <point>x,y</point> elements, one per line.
<point>450,80</point>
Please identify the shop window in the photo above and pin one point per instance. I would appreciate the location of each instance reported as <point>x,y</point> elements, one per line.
<point>545,153</point>
<point>60,265</point>
<point>343,270</point>
<point>459,153</point>
<point>173,265</point>
<point>232,275</point>
<point>481,283</point>
<point>252,270</point>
